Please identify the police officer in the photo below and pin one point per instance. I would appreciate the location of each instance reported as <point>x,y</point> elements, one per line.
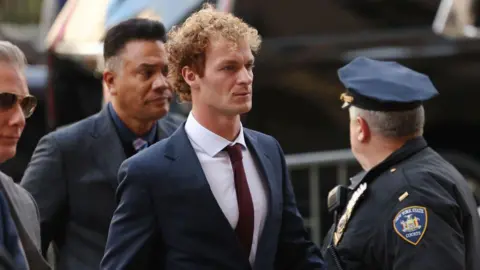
<point>409,209</point>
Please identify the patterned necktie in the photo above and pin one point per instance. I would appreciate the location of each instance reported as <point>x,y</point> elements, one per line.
<point>139,144</point>
<point>244,227</point>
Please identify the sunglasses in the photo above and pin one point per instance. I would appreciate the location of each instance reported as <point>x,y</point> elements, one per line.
<point>28,103</point>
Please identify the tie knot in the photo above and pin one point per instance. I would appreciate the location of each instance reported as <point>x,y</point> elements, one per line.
<point>139,144</point>
<point>235,152</point>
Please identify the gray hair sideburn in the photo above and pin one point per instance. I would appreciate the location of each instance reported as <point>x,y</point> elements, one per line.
<point>392,124</point>
<point>11,54</point>
<point>114,63</point>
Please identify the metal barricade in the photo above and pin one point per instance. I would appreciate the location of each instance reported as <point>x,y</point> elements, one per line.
<point>313,163</point>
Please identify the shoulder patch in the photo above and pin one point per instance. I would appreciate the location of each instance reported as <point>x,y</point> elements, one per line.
<point>410,223</point>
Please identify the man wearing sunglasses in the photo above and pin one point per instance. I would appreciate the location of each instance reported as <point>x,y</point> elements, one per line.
<point>73,171</point>
<point>19,220</point>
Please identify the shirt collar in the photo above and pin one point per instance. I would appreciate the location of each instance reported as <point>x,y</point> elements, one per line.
<point>410,148</point>
<point>208,141</point>
<point>126,135</point>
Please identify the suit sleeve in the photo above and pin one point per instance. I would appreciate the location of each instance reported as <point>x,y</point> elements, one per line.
<point>44,179</point>
<point>132,228</point>
<point>424,232</point>
<point>6,260</point>
<point>295,251</point>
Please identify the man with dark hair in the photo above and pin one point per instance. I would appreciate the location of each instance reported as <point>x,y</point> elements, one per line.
<point>73,171</point>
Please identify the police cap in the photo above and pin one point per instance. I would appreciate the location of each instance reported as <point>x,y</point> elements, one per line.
<point>383,86</point>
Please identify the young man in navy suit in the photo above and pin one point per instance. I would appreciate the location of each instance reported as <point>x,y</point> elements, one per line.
<point>214,195</point>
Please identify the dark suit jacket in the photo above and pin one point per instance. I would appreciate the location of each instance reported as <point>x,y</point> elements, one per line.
<point>6,261</point>
<point>26,218</point>
<point>164,195</point>
<point>73,178</point>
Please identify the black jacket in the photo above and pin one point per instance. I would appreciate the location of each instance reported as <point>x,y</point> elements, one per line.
<point>417,212</point>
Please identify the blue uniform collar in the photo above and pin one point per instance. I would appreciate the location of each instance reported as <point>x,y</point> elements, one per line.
<point>126,135</point>
<point>410,148</point>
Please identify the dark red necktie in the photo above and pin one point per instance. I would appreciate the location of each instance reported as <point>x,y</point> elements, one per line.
<point>244,227</point>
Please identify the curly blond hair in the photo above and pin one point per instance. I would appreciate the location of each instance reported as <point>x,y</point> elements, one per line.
<point>187,44</point>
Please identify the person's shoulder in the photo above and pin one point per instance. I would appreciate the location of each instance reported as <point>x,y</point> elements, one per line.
<point>75,130</point>
<point>148,167</point>
<point>388,187</point>
<point>268,144</point>
<point>261,138</point>
<point>171,122</point>
<point>423,193</point>
<point>428,171</point>
<point>174,118</point>
<point>413,183</point>
<point>151,158</point>
<point>16,191</point>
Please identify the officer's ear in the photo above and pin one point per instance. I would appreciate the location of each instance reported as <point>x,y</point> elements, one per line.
<point>363,130</point>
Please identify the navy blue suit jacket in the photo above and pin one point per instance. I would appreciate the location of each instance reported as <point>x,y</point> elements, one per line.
<point>165,198</point>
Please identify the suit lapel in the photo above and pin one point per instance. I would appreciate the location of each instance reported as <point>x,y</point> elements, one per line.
<point>15,207</point>
<point>264,163</point>
<point>161,130</point>
<point>106,148</point>
<point>180,150</point>
<point>34,258</point>
<point>164,128</point>
<point>274,195</point>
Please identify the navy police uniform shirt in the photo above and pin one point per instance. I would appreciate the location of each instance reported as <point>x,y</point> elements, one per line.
<point>415,211</point>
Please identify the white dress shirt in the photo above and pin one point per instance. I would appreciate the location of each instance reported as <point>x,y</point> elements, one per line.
<point>218,170</point>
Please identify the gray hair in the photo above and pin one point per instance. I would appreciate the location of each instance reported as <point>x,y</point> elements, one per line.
<point>114,63</point>
<point>11,54</point>
<point>392,124</point>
